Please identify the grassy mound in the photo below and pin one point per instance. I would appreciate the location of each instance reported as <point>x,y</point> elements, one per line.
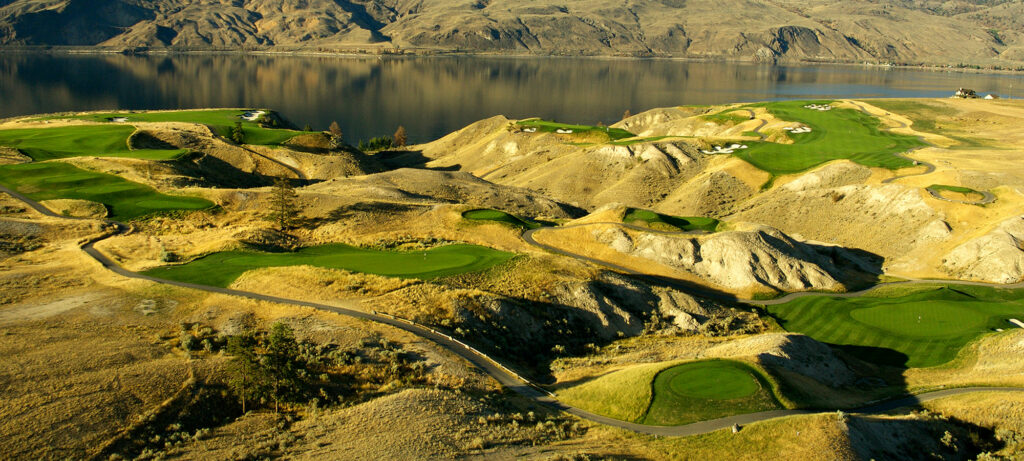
<point>220,120</point>
<point>77,141</point>
<point>670,223</point>
<point>835,134</point>
<point>499,216</point>
<point>124,199</point>
<point>957,189</point>
<point>699,391</point>
<point>920,329</point>
<point>613,134</point>
<point>623,395</point>
<point>221,269</point>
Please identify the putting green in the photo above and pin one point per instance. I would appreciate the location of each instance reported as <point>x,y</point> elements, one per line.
<point>670,223</point>
<point>920,329</point>
<point>835,134</point>
<point>222,269</point>
<point>124,199</point>
<point>710,389</point>
<point>78,141</point>
<point>499,216</point>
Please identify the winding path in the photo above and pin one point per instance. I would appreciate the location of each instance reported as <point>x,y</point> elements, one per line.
<point>491,367</point>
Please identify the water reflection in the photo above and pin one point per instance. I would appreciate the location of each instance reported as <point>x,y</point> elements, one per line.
<point>433,96</point>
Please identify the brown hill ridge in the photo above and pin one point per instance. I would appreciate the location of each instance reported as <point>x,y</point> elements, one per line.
<point>985,32</point>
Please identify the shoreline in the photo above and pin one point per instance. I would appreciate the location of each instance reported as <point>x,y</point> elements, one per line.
<point>362,53</point>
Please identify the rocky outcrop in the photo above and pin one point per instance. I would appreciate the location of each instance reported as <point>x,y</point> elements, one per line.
<point>996,257</point>
<point>758,259</point>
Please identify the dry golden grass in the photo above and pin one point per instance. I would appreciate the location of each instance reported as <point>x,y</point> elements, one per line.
<point>798,437</point>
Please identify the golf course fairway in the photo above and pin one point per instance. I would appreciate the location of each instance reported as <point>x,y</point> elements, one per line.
<point>920,329</point>
<point>219,120</point>
<point>704,390</point>
<point>222,269</point>
<point>124,199</point>
<point>835,134</point>
<point>79,141</point>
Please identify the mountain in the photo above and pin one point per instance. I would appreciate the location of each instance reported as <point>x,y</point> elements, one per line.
<point>975,32</point>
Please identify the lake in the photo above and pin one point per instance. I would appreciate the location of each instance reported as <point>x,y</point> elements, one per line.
<point>432,96</point>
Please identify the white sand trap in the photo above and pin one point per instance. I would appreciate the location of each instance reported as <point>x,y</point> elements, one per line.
<point>529,130</point>
<point>562,131</point>
<point>119,119</point>
<point>33,310</point>
<point>1017,322</point>
<point>253,116</point>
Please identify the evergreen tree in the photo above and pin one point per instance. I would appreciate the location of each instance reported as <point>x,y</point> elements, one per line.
<point>400,138</point>
<point>307,128</point>
<point>282,364</point>
<point>284,207</point>
<point>237,134</point>
<point>245,374</point>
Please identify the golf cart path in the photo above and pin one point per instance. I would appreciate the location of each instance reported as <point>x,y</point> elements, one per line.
<point>491,367</point>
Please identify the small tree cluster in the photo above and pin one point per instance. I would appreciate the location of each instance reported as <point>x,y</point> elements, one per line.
<point>266,368</point>
<point>378,143</point>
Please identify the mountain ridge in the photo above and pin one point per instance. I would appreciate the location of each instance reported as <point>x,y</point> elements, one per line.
<point>975,33</point>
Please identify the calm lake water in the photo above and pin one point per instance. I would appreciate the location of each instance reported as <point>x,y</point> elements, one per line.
<point>434,96</point>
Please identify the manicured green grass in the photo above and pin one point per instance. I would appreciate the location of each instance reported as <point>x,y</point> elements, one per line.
<point>671,223</point>
<point>220,120</point>
<point>124,199</point>
<point>704,390</point>
<point>499,216</point>
<point>77,141</point>
<point>221,269</point>
<point>911,328</point>
<point>836,134</point>
<point>613,134</point>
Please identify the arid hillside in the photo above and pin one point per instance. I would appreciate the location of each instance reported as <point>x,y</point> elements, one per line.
<point>979,32</point>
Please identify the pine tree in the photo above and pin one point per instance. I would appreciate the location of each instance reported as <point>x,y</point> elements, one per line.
<point>400,138</point>
<point>282,363</point>
<point>237,134</point>
<point>245,375</point>
<point>284,207</point>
